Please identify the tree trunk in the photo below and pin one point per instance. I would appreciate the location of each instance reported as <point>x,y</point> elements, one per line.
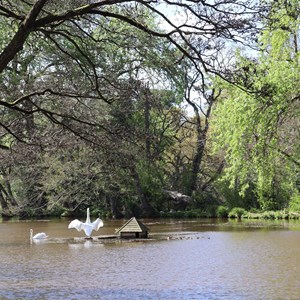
<point>113,197</point>
<point>196,163</point>
<point>214,177</point>
<point>3,202</point>
<point>29,119</point>
<point>6,189</point>
<point>147,123</point>
<point>201,140</point>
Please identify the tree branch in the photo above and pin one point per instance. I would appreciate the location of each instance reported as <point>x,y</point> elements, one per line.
<point>16,44</point>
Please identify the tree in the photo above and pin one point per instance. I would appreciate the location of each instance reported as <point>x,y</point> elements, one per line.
<point>257,121</point>
<point>201,123</point>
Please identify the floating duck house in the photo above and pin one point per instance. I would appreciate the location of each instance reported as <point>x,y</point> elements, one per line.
<point>133,229</point>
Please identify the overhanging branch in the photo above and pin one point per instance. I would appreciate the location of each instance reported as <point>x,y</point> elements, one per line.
<point>16,44</point>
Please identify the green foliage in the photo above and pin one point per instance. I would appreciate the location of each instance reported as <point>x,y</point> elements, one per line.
<point>232,196</point>
<point>237,212</point>
<point>294,205</point>
<point>257,123</point>
<point>222,212</point>
<point>271,215</point>
<point>152,182</point>
<point>56,210</point>
<point>294,216</point>
<point>71,177</point>
<point>99,213</point>
<point>209,212</point>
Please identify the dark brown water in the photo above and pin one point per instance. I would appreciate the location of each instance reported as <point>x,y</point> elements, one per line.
<point>202,260</point>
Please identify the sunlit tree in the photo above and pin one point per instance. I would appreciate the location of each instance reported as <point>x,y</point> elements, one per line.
<point>257,123</point>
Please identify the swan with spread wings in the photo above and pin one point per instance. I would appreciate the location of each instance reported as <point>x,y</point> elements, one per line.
<point>88,226</point>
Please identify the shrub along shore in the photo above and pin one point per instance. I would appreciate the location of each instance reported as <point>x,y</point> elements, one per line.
<point>234,213</point>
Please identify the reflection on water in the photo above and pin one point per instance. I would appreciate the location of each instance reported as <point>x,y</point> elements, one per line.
<point>85,245</point>
<point>208,260</point>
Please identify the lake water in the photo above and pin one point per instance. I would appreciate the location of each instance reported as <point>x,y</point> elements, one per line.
<point>202,259</point>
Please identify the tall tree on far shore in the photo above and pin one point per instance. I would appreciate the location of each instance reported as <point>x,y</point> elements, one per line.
<point>257,122</point>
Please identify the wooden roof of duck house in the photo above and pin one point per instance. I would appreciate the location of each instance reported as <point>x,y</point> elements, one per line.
<point>133,229</point>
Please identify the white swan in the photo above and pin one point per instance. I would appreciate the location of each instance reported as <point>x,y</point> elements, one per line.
<point>38,236</point>
<point>88,227</point>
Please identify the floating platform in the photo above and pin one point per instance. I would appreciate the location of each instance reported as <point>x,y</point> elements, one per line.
<point>97,238</point>
<point>153,237</point>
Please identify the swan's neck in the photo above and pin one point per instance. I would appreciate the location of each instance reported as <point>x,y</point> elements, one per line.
<point>31,234</point>
<point>88,220</point>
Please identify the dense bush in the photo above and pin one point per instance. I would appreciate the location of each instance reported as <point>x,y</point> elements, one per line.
<point>237,212</point>
<point>222,212</point>
<point>294,204</point>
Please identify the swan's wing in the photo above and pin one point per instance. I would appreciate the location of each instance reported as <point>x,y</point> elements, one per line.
<point>97,224</point>
<point>87,227</point>
<point>76,224</point>
<point>40,236</point>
